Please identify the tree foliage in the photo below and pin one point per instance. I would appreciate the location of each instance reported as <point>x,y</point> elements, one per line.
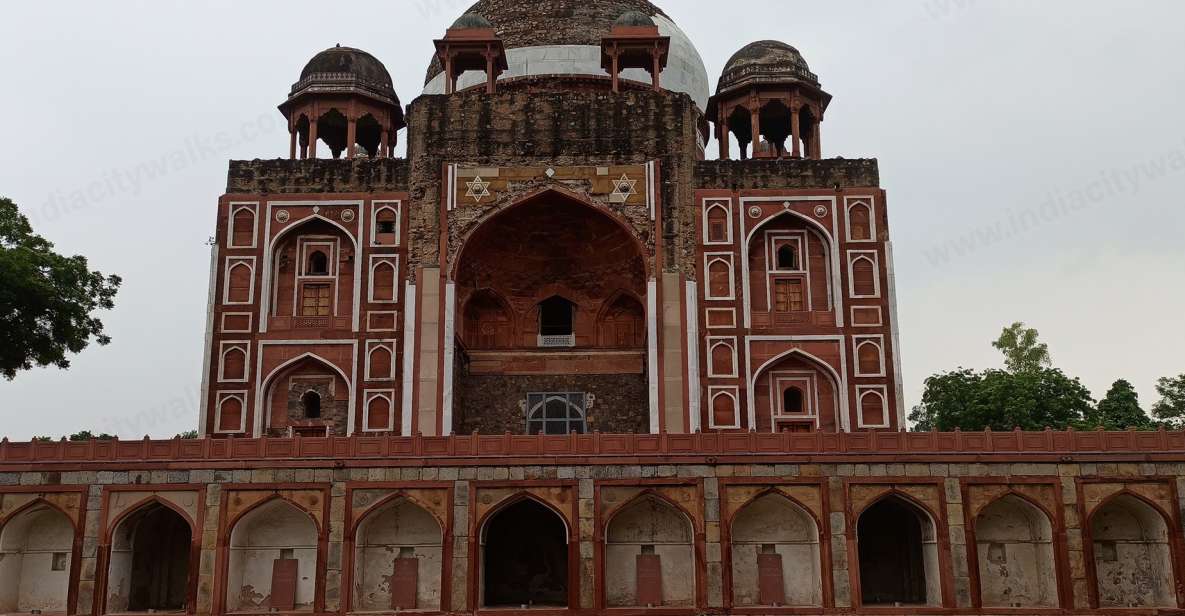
<point>1022,351</point>
<point>1120,410</point>
<point>46,299</point>
<point>1001,400</point>
<point>1171,407</point>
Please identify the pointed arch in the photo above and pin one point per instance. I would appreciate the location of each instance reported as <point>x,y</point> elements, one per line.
<point>151,558</point>
<point>775,552</point>
<point>554,192</point>
<point>233,367</point>
<point>289,542</point>
<point>37,555</point>
<point>240,282</point>
<point>833,268</point>
<point>1015,556</point>
<point>650,553</point>
<point>266,385</point>
<point>527,555</point>
<point>243,227</point>
<point>271,259</point>
<point>621,321</point>
<point>1131,556</point>
<point>842,419</point>
<point>488,321</point>
<point>898,552</point>
<point>397,535</point>
<point>861,225</point>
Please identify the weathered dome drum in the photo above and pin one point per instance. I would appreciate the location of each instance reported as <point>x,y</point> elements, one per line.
<point>562,39</point>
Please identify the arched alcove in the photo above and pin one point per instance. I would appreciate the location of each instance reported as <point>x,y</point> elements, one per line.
<point>649,556</point>
<point>1132,555</point>
<point>797,390</point>
<point>36,549</point>
<point>397,559</point>
<point>311,276</point>
<point>308,393</point>
<point>149,562</point>
<point>1014,542</point>
<point>898,552</point>
<point>550,295</point>
<point>775,555</point>
<point>524,557</point>
<point>272,560</point>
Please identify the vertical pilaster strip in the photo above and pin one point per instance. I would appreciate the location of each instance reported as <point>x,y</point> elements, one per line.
<point>691,308</point>
<point>652,351</point>
<point>409,357</point>
<point>429,353</point>
<point>673,364</point>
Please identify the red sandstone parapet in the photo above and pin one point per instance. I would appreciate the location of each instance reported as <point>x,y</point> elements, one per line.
<point>480,449</point>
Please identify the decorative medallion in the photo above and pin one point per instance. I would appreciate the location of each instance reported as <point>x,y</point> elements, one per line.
<point>624,188</point>
<point>550,172</point>
<point>282,216</point>
<point>347,215</point>
<point>785,205</point>
<point>755,212</point>
<point>316,209</point>
<point>820,210</point>
<point>478,189</point>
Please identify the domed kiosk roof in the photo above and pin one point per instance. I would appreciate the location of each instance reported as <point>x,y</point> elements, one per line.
<point>563,37</point>
<point>345,70</point>
<point>765,61</point>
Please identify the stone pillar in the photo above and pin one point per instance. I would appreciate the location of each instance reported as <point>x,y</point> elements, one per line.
<point>958,542</point>
<point>459,602</point>
<point>795,133</point>
<point>491,79</point>
<point>207,564</point>
<point>430,351</point>
<point>616,70</point>
<point>351,135</point>
<point>382,153</point>
<point>722,136</point>
<point>90,548</point>
<point>674,386</point>
<point>337,526</point>
<point>817,140</point>
<point>291,141</point>
<point>657,72</point>
<point>586,507</point>
<point>841,579</point>
<point>712,545</point>
<point>312,139</point>
<point>755,123</point>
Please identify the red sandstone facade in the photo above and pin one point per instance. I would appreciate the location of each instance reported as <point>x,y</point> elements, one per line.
<point>554,361</point>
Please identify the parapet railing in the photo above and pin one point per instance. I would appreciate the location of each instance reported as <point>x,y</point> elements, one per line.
<point>1056,444</point>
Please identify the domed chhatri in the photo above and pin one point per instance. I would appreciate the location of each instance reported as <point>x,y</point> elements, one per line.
<point>345,97</point>
<point>768,96</point>
<point>633,19</point>
<point>765,61</point>
<point>471,21</point>
<point>338,61</point>
<point>562,39</point>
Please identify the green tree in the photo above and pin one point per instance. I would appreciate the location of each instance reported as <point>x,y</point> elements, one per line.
<point>1120,410</point>
<point>46,299</point>
<point>1000,400</point>
<point>87,435</point>
<point>188,434</point>
<point>1171,407</point>
<point>1022,351</point>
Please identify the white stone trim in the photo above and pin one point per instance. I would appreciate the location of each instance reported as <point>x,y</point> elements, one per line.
<point>732,312</point>
<point>370,314</point>
<point>851,202</point>
<point>729,341</point>
<point>732,391</point>
<point>409,355</point>
<point>208,343</point>
<point>652,351</point>
<point>882,392</point>
<point>227,346</point>
<point>877,341</point>
<point>895,337</point>
<point>371,347</point>
<point>840,378</point>
<point>234,207</point>
<point>262,381</point>
<point>727,258</point>
<point>375,261</point>
<point>231,263</point>
<point>691,309</point>
<point>709,204</point>
<point>394,205</point>
<point>450,347</point>
<point>222,397</point>
<point>872,257</point>
<point>367,397</point>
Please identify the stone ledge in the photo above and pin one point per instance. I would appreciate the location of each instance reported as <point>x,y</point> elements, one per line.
<point>774,174</point>
<point>284,176</point>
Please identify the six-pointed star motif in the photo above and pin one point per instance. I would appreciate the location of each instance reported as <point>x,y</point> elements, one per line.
<point>478,189</point>
<point>625,187</point>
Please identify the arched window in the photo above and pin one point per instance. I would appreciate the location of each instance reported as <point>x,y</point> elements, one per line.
<point>869,359</point>
<point>318,264</point>
<point>898,551</point>
<point>242,233</point>
<point>775,555</point>
<point>398,547</point>
<point>555,413</point>
<point>793,402</point>
<point>787,258</point>
<point>524,556</point>
<point>718,229</point>
<point>864,278</point>
<point>859,223</point>
<point>311,401</point>
<point>386,232</point>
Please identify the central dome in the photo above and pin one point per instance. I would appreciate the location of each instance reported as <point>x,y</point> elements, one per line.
<point>563,37</point>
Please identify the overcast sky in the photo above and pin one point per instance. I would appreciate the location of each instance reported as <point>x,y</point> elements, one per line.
<point>1034,155</point>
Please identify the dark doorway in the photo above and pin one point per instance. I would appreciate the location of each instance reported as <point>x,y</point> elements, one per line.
<point>161,543</point>
<point>525,558</point>
<point>555,317</point>
<point>892,565</point>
